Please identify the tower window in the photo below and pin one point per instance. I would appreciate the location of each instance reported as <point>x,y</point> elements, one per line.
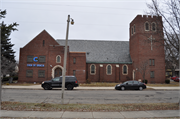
<point>152,74</point>
<point>134,29</point>
<point>153,26</point>
<point>151,62</point>
<point>146,26</point>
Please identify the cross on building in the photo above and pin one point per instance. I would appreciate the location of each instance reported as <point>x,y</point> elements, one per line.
<point>151,39</point>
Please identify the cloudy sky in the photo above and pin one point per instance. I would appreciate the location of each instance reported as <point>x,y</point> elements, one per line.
<point>94,19</point>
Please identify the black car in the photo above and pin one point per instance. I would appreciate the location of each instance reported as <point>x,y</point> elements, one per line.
<point>70,83</point>
<point>131,85</point>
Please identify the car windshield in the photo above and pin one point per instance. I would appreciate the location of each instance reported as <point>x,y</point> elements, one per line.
<point>125,82</point>
<point>56,79</point>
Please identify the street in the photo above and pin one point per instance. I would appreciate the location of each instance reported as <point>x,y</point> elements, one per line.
<point>90,96</point>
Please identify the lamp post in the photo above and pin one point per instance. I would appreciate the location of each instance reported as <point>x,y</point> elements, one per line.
<point>65,58</point>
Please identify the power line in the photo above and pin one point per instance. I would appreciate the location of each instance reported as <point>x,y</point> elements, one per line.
<point>72,5</point>
<point>64,23</point>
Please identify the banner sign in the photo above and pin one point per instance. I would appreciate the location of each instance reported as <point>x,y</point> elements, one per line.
<point>35,65</point>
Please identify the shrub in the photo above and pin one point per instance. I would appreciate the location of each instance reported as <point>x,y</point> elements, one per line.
<point>145,81</point>
<point>5,79</point>
<point>167,81</point>
<point>15,78</point>
<point>88,81</point>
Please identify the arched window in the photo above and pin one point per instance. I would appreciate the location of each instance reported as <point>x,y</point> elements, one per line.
<point>58,59</point>
<point>93,69</point>
<point>134,29</point>
<point>153,26</point>
<point>125,70</point>
<point>108,69</point>
<point>146,26</point>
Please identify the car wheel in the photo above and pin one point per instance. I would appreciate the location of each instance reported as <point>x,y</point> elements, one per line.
<point>140,88</point>
<point>122,88</point>
<point>69,87</point>
<point>46,87</point>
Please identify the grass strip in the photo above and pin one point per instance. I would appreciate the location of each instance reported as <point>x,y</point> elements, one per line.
<point>19,106</point>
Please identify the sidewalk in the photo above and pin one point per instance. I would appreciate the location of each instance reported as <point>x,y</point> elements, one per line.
<point>38,87</point>
<point>92,115</point>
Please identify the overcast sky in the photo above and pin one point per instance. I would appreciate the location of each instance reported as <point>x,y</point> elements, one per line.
<point>94,19</point>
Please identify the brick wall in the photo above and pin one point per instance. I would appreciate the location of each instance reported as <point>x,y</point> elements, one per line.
<point>51,49</point>
<point>79,66</point>
<point>35,48</point>
<point>100,74</point>
<point>140,47</point>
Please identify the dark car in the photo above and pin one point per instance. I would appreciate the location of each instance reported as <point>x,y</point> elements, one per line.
<point>56,82</point>
<point>131,85</point>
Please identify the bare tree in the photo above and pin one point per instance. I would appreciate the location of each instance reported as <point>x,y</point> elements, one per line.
<point>170,12</point>
<point>142,68</point>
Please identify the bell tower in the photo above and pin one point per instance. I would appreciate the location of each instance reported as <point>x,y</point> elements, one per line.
<point>147,48</point>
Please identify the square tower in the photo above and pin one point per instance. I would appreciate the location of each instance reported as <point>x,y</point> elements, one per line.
<point>147,48</point>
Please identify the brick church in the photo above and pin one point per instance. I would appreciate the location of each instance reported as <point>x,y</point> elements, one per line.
<point>98,61</point>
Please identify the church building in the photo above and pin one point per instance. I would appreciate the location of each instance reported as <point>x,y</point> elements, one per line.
<point>142,57</point>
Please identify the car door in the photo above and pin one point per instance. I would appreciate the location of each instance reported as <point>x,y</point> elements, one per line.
<point>135,85</point>
<point>56,82</point>
<point>129,85</point>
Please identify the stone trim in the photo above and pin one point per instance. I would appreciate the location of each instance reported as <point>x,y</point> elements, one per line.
<point>53,69</point>
<point>57,57</point>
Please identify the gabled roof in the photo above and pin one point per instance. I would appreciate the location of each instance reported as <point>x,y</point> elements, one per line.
<point>40,37</point>
<point>101,51</point>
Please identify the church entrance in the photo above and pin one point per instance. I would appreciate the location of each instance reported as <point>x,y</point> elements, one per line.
<point>58,72</point>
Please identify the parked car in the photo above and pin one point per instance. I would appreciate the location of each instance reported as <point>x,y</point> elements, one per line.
<point>174,77</point>
<point>177,79</point>
<point>131,85</point>
<point>56,82</point>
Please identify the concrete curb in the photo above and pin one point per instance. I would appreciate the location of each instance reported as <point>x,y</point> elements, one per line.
<point>91,115</point>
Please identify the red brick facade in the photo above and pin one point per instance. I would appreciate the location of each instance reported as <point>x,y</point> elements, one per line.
<point>143,50</point>
<point>140,50</point>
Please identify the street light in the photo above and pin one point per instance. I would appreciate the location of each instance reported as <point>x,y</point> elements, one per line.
<point>65,58</point>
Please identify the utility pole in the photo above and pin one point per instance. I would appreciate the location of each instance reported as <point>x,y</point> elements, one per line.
<point>179,70</point>
<point>65,58</point>
<point>0,69</point>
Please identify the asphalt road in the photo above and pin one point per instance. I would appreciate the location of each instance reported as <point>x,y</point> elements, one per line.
<point>90,96</point>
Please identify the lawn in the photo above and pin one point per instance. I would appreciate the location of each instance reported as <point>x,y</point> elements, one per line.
<point>172,84</point>
<point>100,84</point>
<point>18,106</point>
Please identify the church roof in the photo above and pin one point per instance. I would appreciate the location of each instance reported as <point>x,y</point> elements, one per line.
<point>101,51</point>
